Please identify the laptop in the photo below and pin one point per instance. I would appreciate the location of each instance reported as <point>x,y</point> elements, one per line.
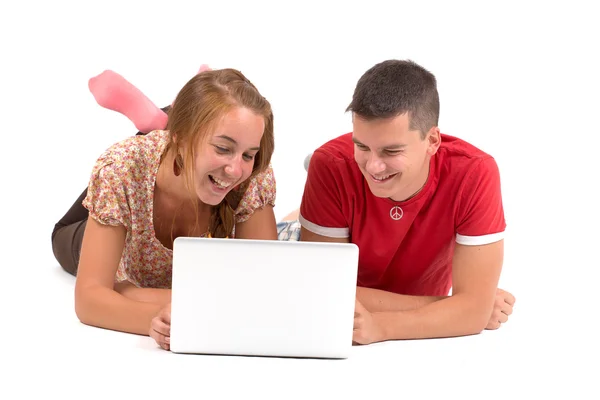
<point>263,297</point>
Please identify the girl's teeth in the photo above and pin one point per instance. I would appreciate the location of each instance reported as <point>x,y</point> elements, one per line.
<point>221,183</point>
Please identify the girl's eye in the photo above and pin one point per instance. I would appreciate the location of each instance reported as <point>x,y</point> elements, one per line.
<point>222,150</point>
<point>248,157</point>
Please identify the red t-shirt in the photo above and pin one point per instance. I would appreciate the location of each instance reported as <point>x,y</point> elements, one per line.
<point>406,247</point>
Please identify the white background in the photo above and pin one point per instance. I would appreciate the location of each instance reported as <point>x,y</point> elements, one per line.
<point>517,78</point>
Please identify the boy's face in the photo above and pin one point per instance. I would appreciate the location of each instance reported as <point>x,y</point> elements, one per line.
<point>393,158</point>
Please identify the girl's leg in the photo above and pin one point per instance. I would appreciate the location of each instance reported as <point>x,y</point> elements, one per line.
<point>67,236</point>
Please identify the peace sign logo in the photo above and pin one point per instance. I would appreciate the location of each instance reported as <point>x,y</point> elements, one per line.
<point>396,213</point>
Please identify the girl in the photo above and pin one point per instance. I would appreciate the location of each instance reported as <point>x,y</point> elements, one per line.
<point>207,174</point>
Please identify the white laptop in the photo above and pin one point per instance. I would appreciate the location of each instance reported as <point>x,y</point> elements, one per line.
<point>263,297</point>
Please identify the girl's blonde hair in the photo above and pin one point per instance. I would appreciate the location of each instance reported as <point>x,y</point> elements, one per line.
<point>197,109</point>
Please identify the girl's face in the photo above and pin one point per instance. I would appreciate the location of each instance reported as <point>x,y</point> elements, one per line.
<point>226,158</point>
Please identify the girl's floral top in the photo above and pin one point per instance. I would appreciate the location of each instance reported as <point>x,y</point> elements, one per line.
<point>121,192</point>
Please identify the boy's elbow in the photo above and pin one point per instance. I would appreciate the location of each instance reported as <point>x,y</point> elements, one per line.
<point>479,320</point>
<point>476,319</point>
<point>476,328</point>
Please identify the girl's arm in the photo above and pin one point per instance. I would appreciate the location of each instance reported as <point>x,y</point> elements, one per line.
<point>97,303</point>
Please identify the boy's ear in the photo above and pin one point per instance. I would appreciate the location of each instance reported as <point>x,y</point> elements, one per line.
<point>435,140</point>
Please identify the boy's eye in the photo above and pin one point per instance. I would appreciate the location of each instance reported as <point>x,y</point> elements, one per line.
<point>362,147</point>
<point>393,152</point>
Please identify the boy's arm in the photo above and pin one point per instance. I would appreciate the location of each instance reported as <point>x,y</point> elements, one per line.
<point>475,272</point>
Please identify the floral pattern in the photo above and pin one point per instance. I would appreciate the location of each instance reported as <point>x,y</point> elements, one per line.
<point>121,192</point>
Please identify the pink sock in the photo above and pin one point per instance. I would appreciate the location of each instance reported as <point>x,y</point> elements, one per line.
<point>114,92</point>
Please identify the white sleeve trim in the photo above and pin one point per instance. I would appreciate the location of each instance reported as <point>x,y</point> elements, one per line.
<point>323,231</point>
<point>479,240</point>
